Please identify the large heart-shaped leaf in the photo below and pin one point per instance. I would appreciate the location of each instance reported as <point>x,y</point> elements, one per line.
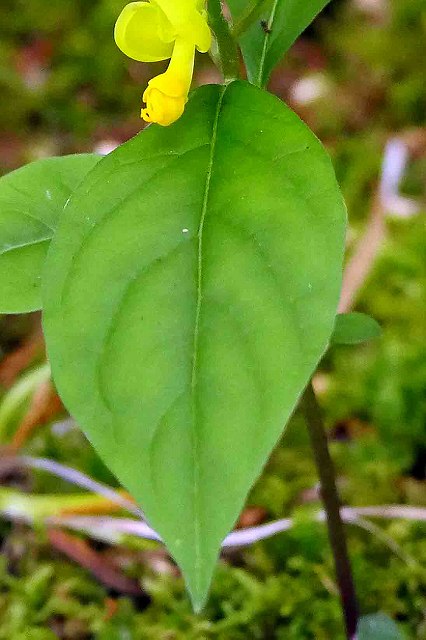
<point>189,293</point>
<point>266,41</point>
<point>31,200</point>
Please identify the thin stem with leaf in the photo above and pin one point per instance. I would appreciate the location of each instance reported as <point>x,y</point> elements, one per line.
<point>336,532</point>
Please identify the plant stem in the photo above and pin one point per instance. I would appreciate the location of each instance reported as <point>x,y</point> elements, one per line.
<point>226,44</point>
<point>331,502</point>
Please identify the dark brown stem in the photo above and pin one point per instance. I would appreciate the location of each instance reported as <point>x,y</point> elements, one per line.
<point>331,502</point>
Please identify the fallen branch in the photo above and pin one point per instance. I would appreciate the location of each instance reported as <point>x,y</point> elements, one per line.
<point>103,569</point>
<point>110,527</point>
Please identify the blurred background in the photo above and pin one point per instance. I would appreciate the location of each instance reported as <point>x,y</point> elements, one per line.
<point>357,77</point>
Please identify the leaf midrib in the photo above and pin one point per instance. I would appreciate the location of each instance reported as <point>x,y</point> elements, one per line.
<point>194,435</point>
<point>265,44</point>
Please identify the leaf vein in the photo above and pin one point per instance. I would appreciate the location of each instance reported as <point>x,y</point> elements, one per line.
<point>114,317</point>
<point>24,245</point>
<point>195,442</point>
<point>109,214</point>
<point>265,44</point>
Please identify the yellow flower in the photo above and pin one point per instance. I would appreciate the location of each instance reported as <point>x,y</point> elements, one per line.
<point>158,30</point>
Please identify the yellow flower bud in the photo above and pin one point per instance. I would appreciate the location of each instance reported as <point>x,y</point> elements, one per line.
<point>161,108</point>
<point>157,30</point>
<point>167,93</point>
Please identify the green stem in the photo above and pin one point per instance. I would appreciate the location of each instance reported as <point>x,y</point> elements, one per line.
<point>331,502</point>
<point>226,44</point>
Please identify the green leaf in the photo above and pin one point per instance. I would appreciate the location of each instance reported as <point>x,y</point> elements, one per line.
<point>190,292</point>
<point>267,40</point>
<point>31,201</point>
<point>355,328</point>
<point>378,627</point>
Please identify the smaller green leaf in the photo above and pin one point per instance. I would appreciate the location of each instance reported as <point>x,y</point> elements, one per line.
<point>279,24</point>
<point>355,328</point>
<point>378,626</point>
<point>31,201</point>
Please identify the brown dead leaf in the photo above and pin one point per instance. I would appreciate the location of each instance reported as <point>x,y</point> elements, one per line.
<point>98,564</point>
<point>251,517</point>
<point>14,363</point>
<point>44,405</point>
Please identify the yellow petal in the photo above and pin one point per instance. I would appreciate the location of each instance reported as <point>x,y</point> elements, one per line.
<point>187,21</point>
<point>203,39</point>
<point>137,32</point>
<point>161,108</point>
<point>167,93</point>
